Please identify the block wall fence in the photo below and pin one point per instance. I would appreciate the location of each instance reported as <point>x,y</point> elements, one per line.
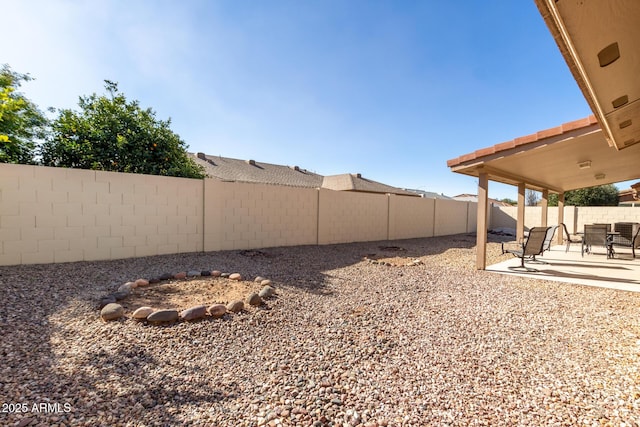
<point>50,215</point>
<point>575,217</point>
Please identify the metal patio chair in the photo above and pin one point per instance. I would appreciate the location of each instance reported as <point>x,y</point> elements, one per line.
<point>531,247</point>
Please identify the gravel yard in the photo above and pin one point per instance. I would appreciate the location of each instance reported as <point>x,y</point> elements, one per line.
<point>345,342</point>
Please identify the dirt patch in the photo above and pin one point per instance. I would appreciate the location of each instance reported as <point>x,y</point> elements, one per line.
<point>394,261</point>
<point>183,294</point>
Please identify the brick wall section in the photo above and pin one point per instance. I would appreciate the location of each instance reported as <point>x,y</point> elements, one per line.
<point>410,217</point>
<point>60,215</point>
<point>249,216</point>
<point>352,217</point>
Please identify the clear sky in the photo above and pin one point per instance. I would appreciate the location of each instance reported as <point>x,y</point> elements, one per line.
<point>388,89</point>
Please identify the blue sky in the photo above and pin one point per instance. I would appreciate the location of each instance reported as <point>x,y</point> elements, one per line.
<point>388,89</point>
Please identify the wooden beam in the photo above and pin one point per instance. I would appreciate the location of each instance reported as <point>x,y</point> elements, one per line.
<point>520,218</point>
<point>481,225</point>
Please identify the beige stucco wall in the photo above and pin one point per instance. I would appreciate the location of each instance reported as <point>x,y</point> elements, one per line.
<point>58,215</point>
<point>248,216</point>
<point>410,217</point>
<point>575,217</point>
<point>606,215</point>
<point>61,215</point>
<point>352,217</point>
<point>453,217</point>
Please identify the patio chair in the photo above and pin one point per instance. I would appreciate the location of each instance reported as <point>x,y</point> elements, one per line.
<point>532,246</point>
<point>627,237</point>
<point>569,239</point>
<point>549,238</point>
<point>596,235</point>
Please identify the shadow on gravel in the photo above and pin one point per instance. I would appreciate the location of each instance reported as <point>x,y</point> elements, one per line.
<point>31,344</point>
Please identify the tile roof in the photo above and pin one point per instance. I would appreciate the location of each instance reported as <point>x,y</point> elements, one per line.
<point>524,140</point>
<point>250,171</point>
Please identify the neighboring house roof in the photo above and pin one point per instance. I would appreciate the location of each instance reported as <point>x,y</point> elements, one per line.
<point>428,194</point>
<point>630,195</point>
<point>251,171</point>
<point>227,169</point>
<point>355,182</point>
<point>474,198</point>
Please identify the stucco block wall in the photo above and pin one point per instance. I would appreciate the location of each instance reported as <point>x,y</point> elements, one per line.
<point>410,217</point>
<point>575,217</point>
<point>352,217</point>
<point>60,215</point>
<point>453,217</point>
<point>606,215</point>
<point>247,216</point>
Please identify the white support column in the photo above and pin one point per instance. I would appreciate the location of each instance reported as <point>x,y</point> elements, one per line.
<point>481,228</point>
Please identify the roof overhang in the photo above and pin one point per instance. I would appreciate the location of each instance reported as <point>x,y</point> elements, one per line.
<point>600,41</point>
<point>574,155</point>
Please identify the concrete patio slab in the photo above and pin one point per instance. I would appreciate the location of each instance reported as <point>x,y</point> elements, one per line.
<point>594,269</point>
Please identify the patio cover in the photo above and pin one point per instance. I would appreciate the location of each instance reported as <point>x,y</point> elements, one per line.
<point>599,41</point>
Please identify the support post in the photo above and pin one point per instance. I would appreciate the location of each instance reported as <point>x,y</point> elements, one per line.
<point>544,206</point>
<point>520,219</point>
<point>481,226</point>
<point>560,217</point>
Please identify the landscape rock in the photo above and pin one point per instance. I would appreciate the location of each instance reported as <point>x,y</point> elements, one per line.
<point>141,282</point>
<point>120,295</point>
<point>235,306</point>
<point>193,273</point>
<point>254,299</point>
<point>142,313</point>
<point>166,276</point>
<point>108,299</point>
<point>111,311</point>
<point>154,280</point>
<point>266,292</point>
<point>163,316</point>
<point>235,276</point>
<point>217,311</point>
<point>225,275</point>
<point>180,276</point>
<point>259,279</point>
<point>126,287</point>
<point>205,273</point>
<point>265,282</point>
<point>216,273</point>
<point>194,313</point>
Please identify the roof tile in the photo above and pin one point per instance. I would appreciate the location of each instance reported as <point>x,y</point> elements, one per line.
<point>523,140</point>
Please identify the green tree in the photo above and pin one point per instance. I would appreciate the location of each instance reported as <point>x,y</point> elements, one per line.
<point>509,201</point>
<point>22,124</point>
<point>110,133</point>
<point>601,195</point>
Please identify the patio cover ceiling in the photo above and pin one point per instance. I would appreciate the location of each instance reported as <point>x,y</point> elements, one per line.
<point>571,156</point>
<point>600,41</point>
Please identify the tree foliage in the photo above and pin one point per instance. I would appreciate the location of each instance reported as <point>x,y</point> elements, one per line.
<point>532,197</point>
<point>113,134</point>
<point>22,124</point>
<point>602,195</point>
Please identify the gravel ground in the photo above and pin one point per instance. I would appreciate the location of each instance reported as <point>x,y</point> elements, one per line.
<point>344,343</point>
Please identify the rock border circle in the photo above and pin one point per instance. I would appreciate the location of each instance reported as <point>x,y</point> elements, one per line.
<point>111,310</point>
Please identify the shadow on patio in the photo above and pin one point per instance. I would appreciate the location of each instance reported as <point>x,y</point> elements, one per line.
<point>594,269</point>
